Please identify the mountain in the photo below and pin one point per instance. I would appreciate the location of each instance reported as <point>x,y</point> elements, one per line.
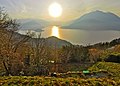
<point>96,20</point>
<point>56,42</point>
<point>52,41</point>
<point>32,24</point>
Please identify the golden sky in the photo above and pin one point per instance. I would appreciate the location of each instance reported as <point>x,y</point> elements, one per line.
<point>72,9</point>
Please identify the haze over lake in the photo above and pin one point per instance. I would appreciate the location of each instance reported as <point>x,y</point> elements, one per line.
<point>76,36</point>
<point>83,37</point>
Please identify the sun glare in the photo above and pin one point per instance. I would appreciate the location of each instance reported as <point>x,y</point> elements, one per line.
<point>55,10</point>
<point>55,31</point>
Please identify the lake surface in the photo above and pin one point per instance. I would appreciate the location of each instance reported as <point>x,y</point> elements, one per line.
<point>83,37</point>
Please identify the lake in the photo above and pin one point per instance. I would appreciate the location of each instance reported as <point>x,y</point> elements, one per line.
<point>83,37</point>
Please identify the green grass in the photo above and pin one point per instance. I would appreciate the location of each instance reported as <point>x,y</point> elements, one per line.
<point>114,80</point>
<point>112,68</point>
<point>48,81</point>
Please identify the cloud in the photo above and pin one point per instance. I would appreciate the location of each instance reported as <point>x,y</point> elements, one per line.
<point>23,10</point>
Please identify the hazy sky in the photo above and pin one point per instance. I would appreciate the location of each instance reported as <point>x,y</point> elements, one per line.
<point>71,8</point>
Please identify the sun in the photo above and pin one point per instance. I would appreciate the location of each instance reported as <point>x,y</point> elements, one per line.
<point>55,10</point>
<point>55,31</point>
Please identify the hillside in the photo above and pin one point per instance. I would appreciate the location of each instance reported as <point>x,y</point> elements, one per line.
<point>50,41</point>
<point>56,42</point>
<point>96,20</point>
<point>113,68</point>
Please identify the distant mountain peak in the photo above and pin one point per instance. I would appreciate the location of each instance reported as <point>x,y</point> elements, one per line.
<point>96,20</point>
<point>97,11</point>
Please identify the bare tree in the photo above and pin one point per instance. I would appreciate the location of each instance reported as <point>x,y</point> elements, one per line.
<point>10,41</point>
<point>40,53</point>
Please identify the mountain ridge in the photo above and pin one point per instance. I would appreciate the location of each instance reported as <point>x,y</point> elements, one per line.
<point>96,20</point>
<point>31,24</point>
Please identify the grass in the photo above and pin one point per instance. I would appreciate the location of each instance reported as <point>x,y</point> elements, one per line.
<point>112,68</point>
<point>114,80</point>
<point>51,81</point>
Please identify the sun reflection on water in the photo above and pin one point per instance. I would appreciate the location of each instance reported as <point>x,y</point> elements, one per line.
<point>55,31</point>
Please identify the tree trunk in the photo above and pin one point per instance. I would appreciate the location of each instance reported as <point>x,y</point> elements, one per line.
<point>7,71</point>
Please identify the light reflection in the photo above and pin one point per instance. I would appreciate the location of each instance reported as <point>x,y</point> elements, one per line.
<point>55,31</point>
<point>81,37</point>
